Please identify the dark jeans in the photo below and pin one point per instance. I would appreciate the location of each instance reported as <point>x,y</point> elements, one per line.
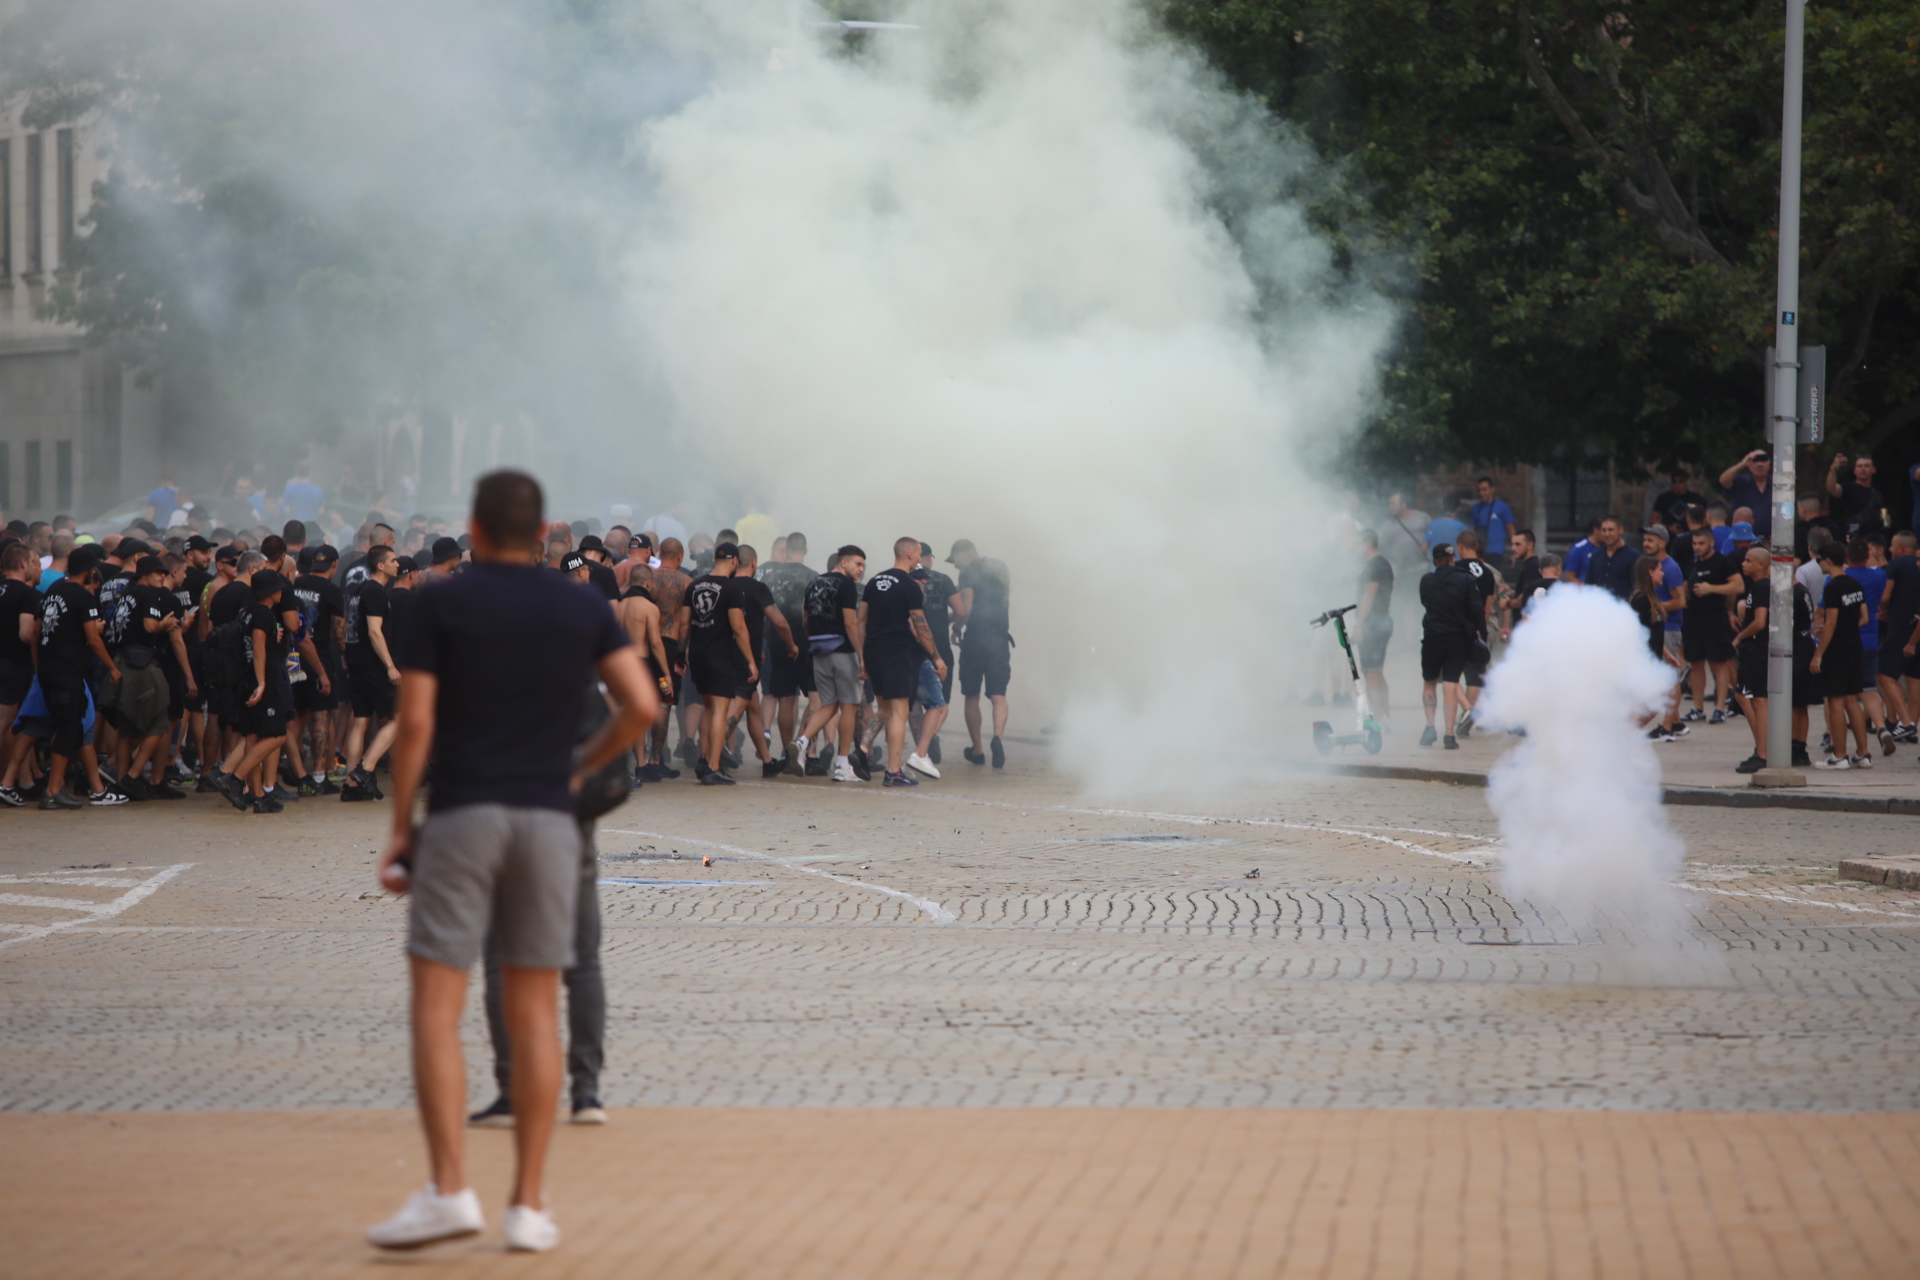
<point>586,994</point>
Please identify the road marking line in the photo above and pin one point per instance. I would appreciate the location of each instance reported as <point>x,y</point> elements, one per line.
<point>95,911</point>
<point>938,913</point>
<point>1798,902</point>
<point>89,881</point>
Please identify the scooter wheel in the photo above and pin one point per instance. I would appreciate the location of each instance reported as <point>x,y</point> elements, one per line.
<point>1373,742</point>
<point>1323,737</point>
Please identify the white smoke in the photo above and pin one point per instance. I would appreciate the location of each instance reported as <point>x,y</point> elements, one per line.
<point>982,283</point>
<point>1578,799</point>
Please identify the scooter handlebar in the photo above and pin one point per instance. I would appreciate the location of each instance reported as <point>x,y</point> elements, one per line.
<point>1331,614</point>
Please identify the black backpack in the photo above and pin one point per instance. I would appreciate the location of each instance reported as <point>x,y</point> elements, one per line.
<point>226,656</point>
<point>608,789</point>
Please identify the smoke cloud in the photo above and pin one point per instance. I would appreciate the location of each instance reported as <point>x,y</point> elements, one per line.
<point>1585,838</point>
<point>1028,275</point>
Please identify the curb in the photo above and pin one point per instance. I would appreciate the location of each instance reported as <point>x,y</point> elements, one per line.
<point>1709,796</point>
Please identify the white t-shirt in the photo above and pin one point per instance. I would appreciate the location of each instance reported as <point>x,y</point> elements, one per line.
<point>1811,576</point>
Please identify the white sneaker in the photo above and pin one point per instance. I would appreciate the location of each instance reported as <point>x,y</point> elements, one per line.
<point>530,1230</point>
<point>429,1218</point>
<point>1832,762</point>
<point>1861,762</point>
<point>923,765</point>
<point>798,747</point>
<point>844,773</point>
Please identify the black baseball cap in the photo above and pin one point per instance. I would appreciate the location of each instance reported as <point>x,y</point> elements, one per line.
<point>726,551</point>
<point>592,543</point>
<point>571,561</point>
<point>445,549</point>
<point>227,554</point>
<point>131,548</point>
<point>325,553</point>
<point>266,582</point>
<point>641,540</point>
<point>149,564</point>
<point>963,544</point>
<point>198,543</point>
<point>84,558</point>
<point>405,564</point>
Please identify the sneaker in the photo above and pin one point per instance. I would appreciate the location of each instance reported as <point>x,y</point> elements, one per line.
<point>862,767</point>
<point>1463,727</point>
<point>206,785</point>
<point>701,768</point>
<point>164,791</point>
<point>1800,759</point>
<point>1718,717</point>
<point>530,1230</point>
<point>933,751</point>
<point>818,766</point>
<point>972,757</point>
<point>497,1114</point>
<point>715,778</point>
<point>61,800</point>
<point>287,776</point>
<point>1659,734</point>
<point>1677,732</point>
<point>729,758</point>
<point>136,789</point>
<point>1861,761</point>
<point>107,799</point>
<point>429,1218</point>
<point>844,773</point>
<point>921,764</point>
<point>1886,741</point>
<point>589,1111</point>
<point>1752,764</point>
<point>179,776</point>
<point>1907,733</point>
<point>9,796</point>
<point>999,754</point>
<point>666,771</point>
<point>308,788</point>
<point>354,791</point>
<point>797,757</point>
<point>900,779</point>
<point>688,752</point>
<point>285,794</point>
<point>1832,762</point>
<point>1428,737</point>
<point>1694,713</point>
<point>367,779</point>
<point>1826,743</point>
<point>338,774</point>
<point>267,804</point>
<point>328,787</point>
<point>1450,742</point>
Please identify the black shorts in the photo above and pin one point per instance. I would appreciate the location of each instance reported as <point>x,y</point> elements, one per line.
<point>895,672</point>
<point>1444,659</point>
<point>1809,690</point>
<point>1707,642</point>
<point>268,717</point>
<point>676,663</point>
<point>370,692</point>
<point>1897,663</point>
<point>307,697</point>
<point>987,661</point>
<point>1840,674</point>
<point>176,690</point>
<point>719,673</point>
<point>66,695</point>
<point>784,677</point>
<point>1752,675</point>
<point>15,680</point>
<point>197,661</point>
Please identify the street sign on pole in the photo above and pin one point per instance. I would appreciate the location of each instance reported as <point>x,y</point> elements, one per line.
<point>1811,419</point>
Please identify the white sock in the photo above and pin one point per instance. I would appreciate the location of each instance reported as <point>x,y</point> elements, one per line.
<point>840,762</point>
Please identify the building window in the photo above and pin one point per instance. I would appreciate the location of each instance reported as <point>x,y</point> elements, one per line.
<point>63,190</point>
<point>63,477</point>
<point>6,475</point>
<point>36,175</point>
<point>6,213</point>
<point>32,461</point>
<point>1576,496</point>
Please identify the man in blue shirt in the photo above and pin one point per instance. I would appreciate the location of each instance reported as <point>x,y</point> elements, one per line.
<point>1749,483</point>
<point>163,500</point>
<point>1444,528</point>
<point>302,498</point>
<point>1574,567</point>
<point>1610,567</point>
<point>1493,521</point>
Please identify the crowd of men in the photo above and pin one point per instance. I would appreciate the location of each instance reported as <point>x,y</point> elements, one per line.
<point>1697,574</point>
<point>261,665</point>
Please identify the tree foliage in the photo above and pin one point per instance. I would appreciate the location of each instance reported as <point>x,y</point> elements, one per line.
<point>1588,193</point>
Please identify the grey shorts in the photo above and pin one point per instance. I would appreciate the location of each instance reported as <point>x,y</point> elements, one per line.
<point>836,677</point>
<point>493,870</point>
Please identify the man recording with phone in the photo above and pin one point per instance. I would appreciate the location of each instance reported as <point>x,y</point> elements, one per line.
<point>497,665</point>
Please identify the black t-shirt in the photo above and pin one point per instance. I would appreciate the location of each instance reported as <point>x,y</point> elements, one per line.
<point>400,604</point>
<point>1664,507</point>
<point>1526,576</point>
<point>64,613</point>
<point>938,589</point>
<point>229,602</point>
<point>111,589</point>
<point>266,618</point>
<point>320,602</point>
<point>368,600</point>
<point>759,598</point>
<point>891,598</point>
<point>513,648</point>
<point>193,594</point>
<point>709,599</point>
<point>1842,600</point>
<point>1904,604</point>
<point>1485,584</point>
<point>827,595</point>
<point>788,582</point>
<point>1860,504</point>
<point>1451,598</point>
<point>1758,595</point>
<point>992,586</point>
<point>1708,611</point>
<point>17,600</point>
<point>138,605</point>
<point>1376,569</point>
<point>601,579</point>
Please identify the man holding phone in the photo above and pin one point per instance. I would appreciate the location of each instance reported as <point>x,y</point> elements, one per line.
<point>496,665</point>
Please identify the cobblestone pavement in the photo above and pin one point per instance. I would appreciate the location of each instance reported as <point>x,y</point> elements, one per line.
<point>987,940</point>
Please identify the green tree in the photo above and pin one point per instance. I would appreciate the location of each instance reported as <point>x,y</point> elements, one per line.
<point>1588,195</point>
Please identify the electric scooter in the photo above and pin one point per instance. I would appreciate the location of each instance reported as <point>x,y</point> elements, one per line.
<point>1366,728</point>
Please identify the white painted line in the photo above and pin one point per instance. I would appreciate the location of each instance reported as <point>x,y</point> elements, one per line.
<point>1798,902</point>
<point>937,913</point>
<point>95,912</point>
<point>56,904</point>
<point>90,881</point>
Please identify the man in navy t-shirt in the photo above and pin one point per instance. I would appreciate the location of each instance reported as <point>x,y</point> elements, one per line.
<point>893,619</point>
<point>498,664</point>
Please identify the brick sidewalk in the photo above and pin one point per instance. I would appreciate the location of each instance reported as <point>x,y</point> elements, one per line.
<point>841,1194</point>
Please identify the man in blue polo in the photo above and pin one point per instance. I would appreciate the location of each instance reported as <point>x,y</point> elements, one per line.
<point>1493,521</point>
